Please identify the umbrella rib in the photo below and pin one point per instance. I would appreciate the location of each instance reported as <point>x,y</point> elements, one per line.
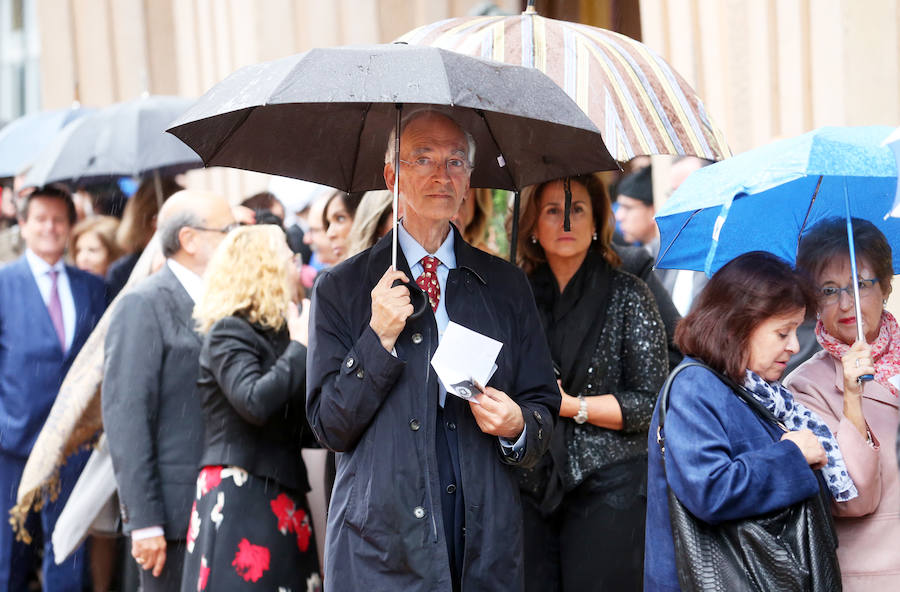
<point>362,125</point>
<point>808,211</point>
<point>677,234</point>
<point>509,170</point>
<point>221,143</point>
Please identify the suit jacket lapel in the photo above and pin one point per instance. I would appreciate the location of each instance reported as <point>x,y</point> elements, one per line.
<point>180,302</point>
<point>34,299</point>
<point>82,303</point>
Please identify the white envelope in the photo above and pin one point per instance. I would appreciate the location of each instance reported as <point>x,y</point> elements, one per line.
<point>465,360</point>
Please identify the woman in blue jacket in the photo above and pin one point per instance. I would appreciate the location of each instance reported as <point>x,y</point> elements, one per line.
<point>723,461</point>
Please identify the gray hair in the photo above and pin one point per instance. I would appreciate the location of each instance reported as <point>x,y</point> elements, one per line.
<point>169,229</point>
<point>418,113</point>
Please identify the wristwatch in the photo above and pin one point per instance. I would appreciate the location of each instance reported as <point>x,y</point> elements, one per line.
<point>582,415</point>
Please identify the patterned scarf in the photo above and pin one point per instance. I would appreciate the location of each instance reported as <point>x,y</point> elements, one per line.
<point>795,416</point>
<point>885,348</point>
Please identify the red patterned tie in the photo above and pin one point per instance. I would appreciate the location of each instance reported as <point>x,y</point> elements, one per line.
<point>428,281</point>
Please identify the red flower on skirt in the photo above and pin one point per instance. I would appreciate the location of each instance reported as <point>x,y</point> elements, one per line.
<point>292,519</point>
<point>250,561</point>
<point>204,575</point>
<point>209,478</point>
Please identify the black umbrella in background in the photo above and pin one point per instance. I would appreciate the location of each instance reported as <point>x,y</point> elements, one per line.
<point>122,140</point>
<point>326,115</point>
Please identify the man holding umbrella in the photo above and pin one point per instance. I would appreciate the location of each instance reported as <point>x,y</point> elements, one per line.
<point>425,497</point>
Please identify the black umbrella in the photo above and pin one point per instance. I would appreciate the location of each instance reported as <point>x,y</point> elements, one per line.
<point>325,116</point>
<point>124,139</point>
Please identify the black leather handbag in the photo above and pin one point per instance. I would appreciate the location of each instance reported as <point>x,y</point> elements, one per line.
<point>792,549</point>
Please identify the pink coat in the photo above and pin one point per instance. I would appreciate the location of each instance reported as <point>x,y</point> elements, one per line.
<point>868,526</point>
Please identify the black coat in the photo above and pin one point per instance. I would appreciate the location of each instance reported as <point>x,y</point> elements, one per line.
<point>151,412</point>
<point>252,386</point>
<point>385,528</point>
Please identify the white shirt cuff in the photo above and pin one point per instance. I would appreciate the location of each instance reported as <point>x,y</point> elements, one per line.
<point>140,534</point>
<point>518,445</point>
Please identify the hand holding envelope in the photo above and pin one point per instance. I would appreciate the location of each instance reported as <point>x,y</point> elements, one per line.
<point>464,361</point>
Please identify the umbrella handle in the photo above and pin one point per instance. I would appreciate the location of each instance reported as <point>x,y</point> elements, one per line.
<point>416,295</point>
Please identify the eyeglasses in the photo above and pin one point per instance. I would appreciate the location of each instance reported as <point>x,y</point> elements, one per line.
<point>224,230</point>
<point>425,166</point>
<point>832,294</point>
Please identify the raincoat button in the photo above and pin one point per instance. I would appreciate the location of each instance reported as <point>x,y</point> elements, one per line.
<point>419,512</point>
<point>360,374</point>
<point>538,417</point>
<point>451,426</point>
<point>417,338</point>
<point>451,488</point>
<point>540,433</point>
<point>414,425</point>
<point>350,362</point>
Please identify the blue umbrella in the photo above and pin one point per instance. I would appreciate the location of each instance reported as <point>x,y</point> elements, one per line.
<point>763,199</point>
<point>24,138</point>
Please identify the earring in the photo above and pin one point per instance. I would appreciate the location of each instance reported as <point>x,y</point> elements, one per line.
<point>533,239</point>
<point>595,235</point>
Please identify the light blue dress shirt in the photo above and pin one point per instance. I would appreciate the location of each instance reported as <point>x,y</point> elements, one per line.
<point>414,252</point>
<point>40,269</point>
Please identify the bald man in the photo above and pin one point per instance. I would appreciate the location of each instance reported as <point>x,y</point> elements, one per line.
<point>151,415</point>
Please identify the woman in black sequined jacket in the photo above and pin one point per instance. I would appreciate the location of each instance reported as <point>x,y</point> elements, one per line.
<point>584,504</point>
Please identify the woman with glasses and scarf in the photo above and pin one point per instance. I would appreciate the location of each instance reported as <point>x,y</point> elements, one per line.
<point>584,503</point>
<point>862,414</point>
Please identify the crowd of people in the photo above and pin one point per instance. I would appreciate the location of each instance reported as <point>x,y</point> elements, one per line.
<point>254,339</point>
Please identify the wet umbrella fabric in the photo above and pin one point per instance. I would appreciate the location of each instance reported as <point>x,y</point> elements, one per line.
<point>325,116</point>
<point>23,139</point>
<point>893,142</point>
<point>762,199</point>
<point>123,140</point>
<point>637,100</point>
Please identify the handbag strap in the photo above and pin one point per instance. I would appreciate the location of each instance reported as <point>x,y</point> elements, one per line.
<point>738,389</point>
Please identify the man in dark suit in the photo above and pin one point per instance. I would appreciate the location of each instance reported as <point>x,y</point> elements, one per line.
<point>151,413</point>
<point>426,496</point>
<point>47,311</point>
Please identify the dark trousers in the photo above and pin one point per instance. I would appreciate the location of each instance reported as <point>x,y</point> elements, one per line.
<point>587,543</point>
<point>452,507</point>
<point>170,578</point>
<point>17,558</point>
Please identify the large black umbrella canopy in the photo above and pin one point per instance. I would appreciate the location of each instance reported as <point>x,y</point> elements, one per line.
<point>325,116</point>
<point>121,140</point>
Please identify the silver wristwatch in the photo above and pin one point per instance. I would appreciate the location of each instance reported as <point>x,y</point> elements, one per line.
<point>582,415</point>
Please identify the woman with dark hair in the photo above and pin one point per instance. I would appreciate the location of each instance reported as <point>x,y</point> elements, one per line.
<point>585,498</point>
<point>337,220</point>
<point>863,415</point>
<point>722,460</point>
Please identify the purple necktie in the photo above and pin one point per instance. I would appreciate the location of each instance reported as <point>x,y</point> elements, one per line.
<point>55,307</point>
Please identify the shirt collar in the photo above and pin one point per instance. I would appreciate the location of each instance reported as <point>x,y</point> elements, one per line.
<point>40,267</point>
<point>190,281</point>
<point>414,251</point>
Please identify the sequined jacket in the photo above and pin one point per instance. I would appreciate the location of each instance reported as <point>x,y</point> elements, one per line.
<point>630,363</point>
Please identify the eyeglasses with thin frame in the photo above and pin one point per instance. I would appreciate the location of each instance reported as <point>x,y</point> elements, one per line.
<point>832,294</point>
<point>223,230</point>
<point>424,166</point>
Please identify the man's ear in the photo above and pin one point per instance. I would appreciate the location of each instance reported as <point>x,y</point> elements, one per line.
<point>186,239</point>
<point>389,175</point>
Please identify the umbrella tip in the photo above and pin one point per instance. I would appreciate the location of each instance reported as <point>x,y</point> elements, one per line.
<point>530,8</point>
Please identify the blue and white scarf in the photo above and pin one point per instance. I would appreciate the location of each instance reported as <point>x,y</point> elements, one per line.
<point>795,416</point>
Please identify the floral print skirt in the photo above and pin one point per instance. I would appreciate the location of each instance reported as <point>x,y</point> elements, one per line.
<point>248,533</point>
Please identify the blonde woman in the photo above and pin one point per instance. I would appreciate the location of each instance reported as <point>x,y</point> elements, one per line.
<point>250,527</point>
